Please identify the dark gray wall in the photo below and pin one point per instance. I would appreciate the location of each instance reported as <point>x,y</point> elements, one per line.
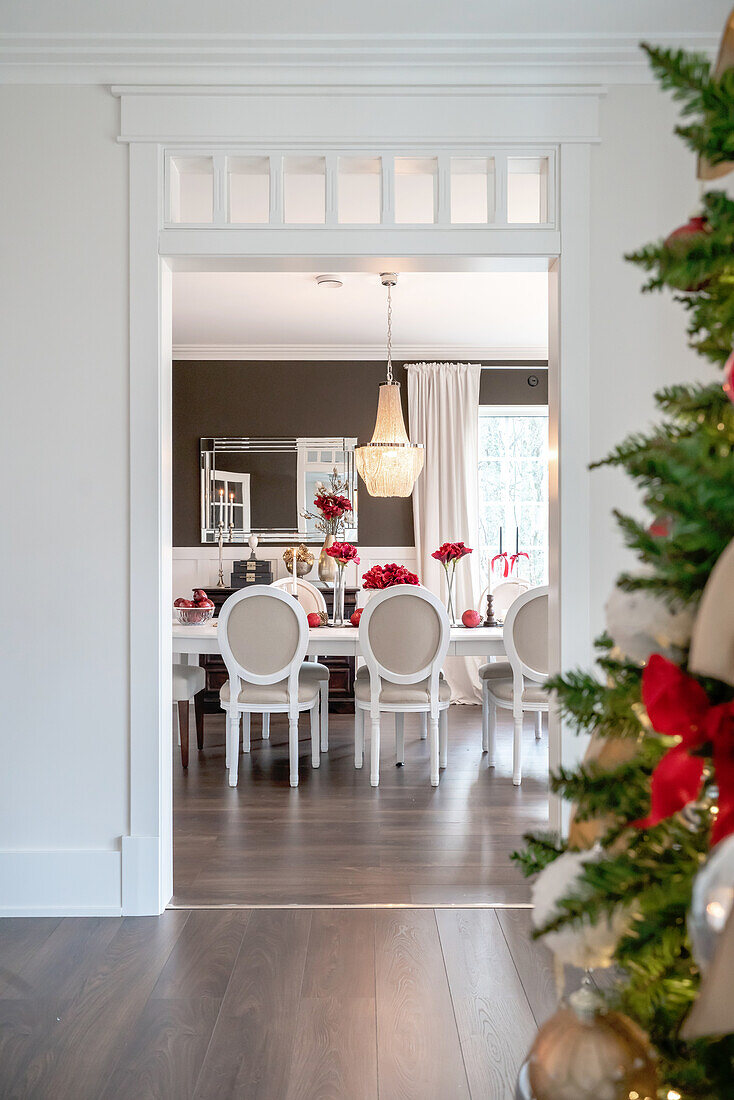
<point>301,398</point>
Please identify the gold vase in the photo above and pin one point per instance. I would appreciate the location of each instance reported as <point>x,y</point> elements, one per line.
<point>327,565</point>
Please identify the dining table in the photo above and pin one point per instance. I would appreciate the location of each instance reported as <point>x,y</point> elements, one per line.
<point>341,641</point>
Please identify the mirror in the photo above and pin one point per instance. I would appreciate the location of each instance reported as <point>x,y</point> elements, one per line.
<point>262,486</point>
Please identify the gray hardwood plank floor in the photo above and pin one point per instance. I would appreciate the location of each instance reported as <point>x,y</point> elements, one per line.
<point>378,1004</point>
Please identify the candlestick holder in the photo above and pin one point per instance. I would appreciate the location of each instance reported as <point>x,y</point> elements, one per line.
<point>220,541</point>
<point>490,619</point>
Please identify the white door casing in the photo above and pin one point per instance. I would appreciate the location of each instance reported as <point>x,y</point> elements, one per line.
<point>156,120</point>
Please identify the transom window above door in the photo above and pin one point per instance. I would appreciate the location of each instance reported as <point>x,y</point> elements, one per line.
<point>495,188</point>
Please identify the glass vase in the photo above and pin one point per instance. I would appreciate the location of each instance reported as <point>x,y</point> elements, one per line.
<point>450,574</point>
<point>337,615</point>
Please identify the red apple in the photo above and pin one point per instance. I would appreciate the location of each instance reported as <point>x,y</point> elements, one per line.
<point>199,594</point>
<point>186,603</point>
<point>204,602</point>
<point>314,619</point>
<point>180,602</point>
<point>471,618</point>
<point>356,616</point>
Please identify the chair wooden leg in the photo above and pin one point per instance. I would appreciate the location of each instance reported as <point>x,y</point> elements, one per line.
<point>443,738</point>
<point>517,750</point>
<point>375,751</point>
<point>315,753</point>
<point>183,728</point>
<point>424,726</point>
<point>538,725</point>
<point>485,716</point>
<point>399,740</point>
<point>227,740</point>
<point>492,732</point>
<point>199,718</point>
<point>324,709</point>
<point>433,741</point>
<point>293,749</point>
<point>266,726</point>
<point>358,736</point>
<point>246,722</point>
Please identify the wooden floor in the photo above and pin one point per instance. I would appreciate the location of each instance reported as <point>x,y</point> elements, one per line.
<point>340,1004</point>
<point>336,840</point>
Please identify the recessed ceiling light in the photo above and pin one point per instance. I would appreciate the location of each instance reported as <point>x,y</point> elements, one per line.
<point>331,282</point>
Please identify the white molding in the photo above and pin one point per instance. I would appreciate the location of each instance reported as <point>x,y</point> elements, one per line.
<point>355,352</point>
<point>60,883</point>
<point>335,61</point>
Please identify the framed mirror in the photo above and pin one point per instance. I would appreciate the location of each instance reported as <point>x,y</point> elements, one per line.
<point>263,486</point>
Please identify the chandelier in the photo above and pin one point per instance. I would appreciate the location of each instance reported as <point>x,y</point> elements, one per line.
<point>389,464</point>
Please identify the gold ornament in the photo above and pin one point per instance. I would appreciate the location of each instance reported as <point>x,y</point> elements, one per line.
<point>607,753</point>
<point>586,1053</point>
<point>304,560</point>
<point>324,618</point>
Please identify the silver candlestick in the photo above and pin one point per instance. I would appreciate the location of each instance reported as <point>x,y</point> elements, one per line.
<point>220,540</point>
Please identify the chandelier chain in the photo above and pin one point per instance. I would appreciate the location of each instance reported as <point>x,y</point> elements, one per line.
<point>389,333</point>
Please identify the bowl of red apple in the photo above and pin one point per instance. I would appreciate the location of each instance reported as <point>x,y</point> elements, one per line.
<point>194,612</point>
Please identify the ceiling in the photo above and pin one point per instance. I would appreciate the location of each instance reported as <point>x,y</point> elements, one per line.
<point>241,314</point>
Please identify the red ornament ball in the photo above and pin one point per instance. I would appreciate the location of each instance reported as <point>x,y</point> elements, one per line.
<point>696,226</point>
<point>356,616</point>
<point>471,618</point>
<point>314,619</point>
<point>729,377</point>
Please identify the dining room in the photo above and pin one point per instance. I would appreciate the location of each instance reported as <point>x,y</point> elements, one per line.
<point>361,546</point>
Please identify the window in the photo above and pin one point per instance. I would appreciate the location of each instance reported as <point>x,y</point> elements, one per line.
<point>513,488</point>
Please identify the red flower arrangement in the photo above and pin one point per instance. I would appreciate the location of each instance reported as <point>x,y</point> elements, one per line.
<point>385,576</point>
<point>343,552</point>
<point>451,551</point>
<point>449,554</point>
<point>333,505</point>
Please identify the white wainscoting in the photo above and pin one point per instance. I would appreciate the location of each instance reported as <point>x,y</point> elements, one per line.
<point>197,566</point>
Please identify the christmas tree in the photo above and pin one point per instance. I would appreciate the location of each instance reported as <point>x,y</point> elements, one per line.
<point>645,818</point>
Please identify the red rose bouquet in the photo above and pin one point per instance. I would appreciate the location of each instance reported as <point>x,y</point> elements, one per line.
<point>386,576</point>
<point>449,554</point>
<point>343,553</point>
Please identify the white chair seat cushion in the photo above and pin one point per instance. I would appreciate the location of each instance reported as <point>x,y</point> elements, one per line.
<point>398,693</point>
<point>495,670</point>
<point>532,692</point>
<point>309,679</point>
<point>187,680</point>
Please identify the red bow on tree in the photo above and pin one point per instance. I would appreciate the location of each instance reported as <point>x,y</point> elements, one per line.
<point>503,559</point>
<point>678,706</point>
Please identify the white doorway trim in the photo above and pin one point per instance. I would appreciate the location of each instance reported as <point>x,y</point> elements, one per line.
<point>147,860</point>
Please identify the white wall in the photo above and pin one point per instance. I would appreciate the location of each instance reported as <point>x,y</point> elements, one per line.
<point>643,186</point>
<point>63,319</point>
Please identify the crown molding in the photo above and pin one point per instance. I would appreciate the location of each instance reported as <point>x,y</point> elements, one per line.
<point>356,353</point>
<point>339,64</point>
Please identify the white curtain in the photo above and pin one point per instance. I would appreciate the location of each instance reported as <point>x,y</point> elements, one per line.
<point>443,406</point>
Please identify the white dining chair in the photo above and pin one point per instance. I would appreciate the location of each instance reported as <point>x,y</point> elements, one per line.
<point>517,684</point>
<point>310,600</point>
<point>187,681</point>
<point>404,638</point>
<point>263,637</point>
<point>503,596</point>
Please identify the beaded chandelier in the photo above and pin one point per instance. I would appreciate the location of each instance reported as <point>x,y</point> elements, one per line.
<point>389,464</point>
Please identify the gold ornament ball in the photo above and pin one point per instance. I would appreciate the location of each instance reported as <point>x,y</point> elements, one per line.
<point>593,1055</point>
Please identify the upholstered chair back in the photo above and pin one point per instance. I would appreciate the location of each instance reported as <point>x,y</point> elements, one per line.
<point>263,634</point>
<point>404,634</point>
<point>526,633</point>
